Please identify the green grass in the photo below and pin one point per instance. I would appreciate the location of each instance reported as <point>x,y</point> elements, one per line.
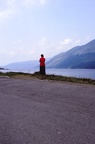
<point>48,77</point>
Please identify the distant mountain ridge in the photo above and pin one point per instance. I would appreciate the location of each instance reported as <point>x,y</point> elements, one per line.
<point>25,65</point>
<point>77,57</point>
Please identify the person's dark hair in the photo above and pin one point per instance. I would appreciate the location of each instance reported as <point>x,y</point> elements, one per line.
<point>42,55</point>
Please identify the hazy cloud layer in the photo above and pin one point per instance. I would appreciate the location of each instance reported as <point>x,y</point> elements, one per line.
<point>31,27</point>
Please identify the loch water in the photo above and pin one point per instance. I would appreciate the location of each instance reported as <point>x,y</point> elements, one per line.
<point>78,73</point>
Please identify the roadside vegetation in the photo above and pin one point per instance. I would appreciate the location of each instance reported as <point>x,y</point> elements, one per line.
<point>47,77</point>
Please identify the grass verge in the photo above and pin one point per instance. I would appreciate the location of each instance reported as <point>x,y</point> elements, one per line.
<point>48,77</point>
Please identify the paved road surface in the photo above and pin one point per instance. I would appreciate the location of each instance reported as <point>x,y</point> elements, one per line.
<point>46,112</point>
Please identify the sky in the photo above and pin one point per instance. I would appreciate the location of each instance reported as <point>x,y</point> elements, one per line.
<point>29,28</point>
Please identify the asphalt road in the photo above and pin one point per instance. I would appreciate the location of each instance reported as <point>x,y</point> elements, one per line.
<point>46,112</point>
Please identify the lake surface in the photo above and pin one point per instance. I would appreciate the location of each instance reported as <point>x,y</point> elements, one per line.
<point>79,73</point>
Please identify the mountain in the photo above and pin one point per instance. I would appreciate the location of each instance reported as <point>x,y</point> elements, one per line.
<point>1,68</point>
<point>77,57</point>
<point>25,65</point>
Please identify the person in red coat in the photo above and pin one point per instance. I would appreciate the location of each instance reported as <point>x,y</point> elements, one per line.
<point>42,65</point>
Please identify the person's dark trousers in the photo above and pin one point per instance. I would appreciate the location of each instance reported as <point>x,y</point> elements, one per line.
<point>42,70</point>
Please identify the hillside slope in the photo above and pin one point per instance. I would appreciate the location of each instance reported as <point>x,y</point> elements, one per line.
<point>25,65</point>
<point>77,57</point>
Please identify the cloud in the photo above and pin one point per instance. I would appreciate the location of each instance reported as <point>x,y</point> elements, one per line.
<point>42,2</point>
<point>88,38</point>
<point>7,8</point>
<point>12,53</point>
<point>31,52</point>
<point>33,2</point>
<point>64,43</point>
<point>28,2</point>
<point>77,42</point>
<point>6,13</point>
<point>10,7</point>
<point>17,42</point>
<point>43,42</point>
<point>11,3</point>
